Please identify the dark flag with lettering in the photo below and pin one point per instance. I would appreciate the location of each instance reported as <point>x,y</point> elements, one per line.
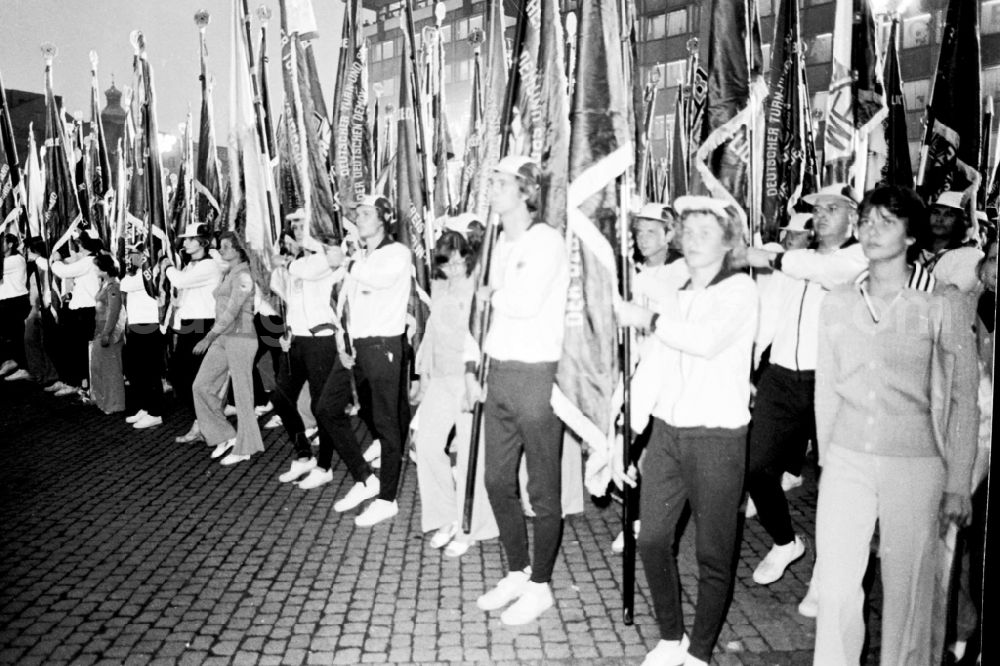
<point>351,150</point>
<point>207,181</point>
<point>888,146</point>
<point>949,156</point>
<point>553,96</point>
<point>601,151</point>
<point>62,210</point>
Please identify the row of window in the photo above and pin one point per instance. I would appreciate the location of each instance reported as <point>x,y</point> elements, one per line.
<point>455,31</point>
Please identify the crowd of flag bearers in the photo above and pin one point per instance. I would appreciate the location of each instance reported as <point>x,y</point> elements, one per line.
<point>490,337</point>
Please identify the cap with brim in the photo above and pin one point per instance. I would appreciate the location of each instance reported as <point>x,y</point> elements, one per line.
<point>311,244</point>
<point>297,214</point>
<point>521,166</point>
<point>460,223</point>
<point>690,204</point>
<point>196,230</point>
<point>798,222</point>
<point>652,211</point>
<point>950,199</point>
<point>135,248</point>
<point>836,192</point>
<point>369,200</point>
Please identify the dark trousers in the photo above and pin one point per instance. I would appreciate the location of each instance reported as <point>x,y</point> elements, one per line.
<point>783,420</point>
<point>144,349</point>
<point>13,312</point>
<point>703,466</point>
<point>184,363</point>
<point>315,360</point>
<point>78,327</point>
<point>38,362</point>
<point>269,331</point>
<point>380,381</point>
<point>519,418</point>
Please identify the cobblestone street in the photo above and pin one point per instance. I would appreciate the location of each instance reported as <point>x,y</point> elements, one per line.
<point>121,547</point>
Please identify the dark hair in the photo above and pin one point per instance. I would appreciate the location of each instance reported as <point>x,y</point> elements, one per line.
<point>11,242</point>
<point>958,228</point>
<point>91,244</point>
<point>328,238</point>
<point>38,245</point>
<point>106,263</point>
<point>449,243</point>
<point>237,244</point>
<point>902,202</point>
<point>529,184</point>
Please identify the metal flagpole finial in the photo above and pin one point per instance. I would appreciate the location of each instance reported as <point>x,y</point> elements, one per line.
<point>570,26</point>
<point>93,59</point>
<point>440,10</point>
<point>264,14</point>
<point>692,45</point>
<point>49,52</point>
<point>653,77</point>
<point>378,88</point>
<point>78,116</point>
<point>477,37</point>
<point>126,96</point>
<point>202,18</point>
<point>137,41</point>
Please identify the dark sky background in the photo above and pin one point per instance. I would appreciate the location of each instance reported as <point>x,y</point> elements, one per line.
<point>78,26</point>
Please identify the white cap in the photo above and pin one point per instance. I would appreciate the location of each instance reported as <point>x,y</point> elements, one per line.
<point>521,166</point>
<point>798,222</point>
<point>311,244</point>
<point>460,223</point>
<point>838,192</point>
<point>370,200</point>
<point>652,211</point>
<point>950,199</point>
<point>196,230</point>
<point>687,204</point>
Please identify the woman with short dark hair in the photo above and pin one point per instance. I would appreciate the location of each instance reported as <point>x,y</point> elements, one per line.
<point>107,388</point>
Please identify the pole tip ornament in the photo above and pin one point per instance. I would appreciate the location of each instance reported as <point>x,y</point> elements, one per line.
<point>137,40</point>
<point>93,58</point>
<point>378,88</point>
<point>692,45</point>
<point>264,14</point>
<point>570,25</point>
<point>653,78</point>
<point>202,18</point>
<point>440,10</point>
<point>49,52</point>
<point>476,37</point>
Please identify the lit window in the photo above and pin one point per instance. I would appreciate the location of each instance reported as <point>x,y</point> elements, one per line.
<point>446,33</point>
<point>677,22</point>
<point>655,27</point>
<point>676,73</point>
<point>820,49</point>
<point>990,23</point>
<point>765,8</point>
<point>476,22</point>
<point>917,31</point>
<point>991,82</point>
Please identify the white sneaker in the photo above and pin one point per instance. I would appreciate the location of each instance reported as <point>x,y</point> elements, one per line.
<point>299,467</point>
<point>234,458</point>
<point>55,386</point>
<point>444,535</point>
<point>376,512</point>
<point>317,477</point>
<point>260,410</point>
<point>510,588</point>
<point>773,566</point>
<point>373,452</point>
<point>222,447</point>
<point>790,481</point>
<point>694,661</point>
<point>148,421</point>
<point>310,433</point>
<point>17,375</point>
<point>618,545</point>
<point>809,606</point>
<point>668,653</point>
<point>66,390</point>
<point>458,547</point>
<point>136,417</point>
<point>229,410</point>
<point>192,435</point>
<point>7,367</point>
<point>358,493</point>
<point>751,511</point>
<point>537,599</point>
<point>272,422</point>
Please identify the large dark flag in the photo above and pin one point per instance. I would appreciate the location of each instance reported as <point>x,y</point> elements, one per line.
<point>440,139</point>
<point>494,92</point>
<point>13,212</point>
<point>553,129</point>
<point>101,179</point>
<point>181,200</point>
<point>888,146</point>
<point>949,156</point>
<point>789,155</point>
<point>472,158</point>
<point>856,102</point>
<point>601,151</point>
<point>680,146</point>
<point>731,103</point>
<point>351,150</point>
<point>62,210</point>
<point>207,180</point>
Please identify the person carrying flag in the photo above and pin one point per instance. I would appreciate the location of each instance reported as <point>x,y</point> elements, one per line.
<point>14,309</point>
<point>528,295</point>
<point>146,345</point>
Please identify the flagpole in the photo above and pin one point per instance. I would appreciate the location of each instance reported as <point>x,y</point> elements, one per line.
<point>486,261</point>
<point>10,150</point>
<point>652,82</point>
<point>625,350</point>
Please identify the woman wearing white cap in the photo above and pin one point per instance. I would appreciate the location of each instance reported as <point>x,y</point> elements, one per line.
<point>146,344</point>
<point>194,315</point>
<point>704,322</point>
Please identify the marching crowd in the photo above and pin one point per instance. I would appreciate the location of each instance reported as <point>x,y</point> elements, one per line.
<point>867,334</point>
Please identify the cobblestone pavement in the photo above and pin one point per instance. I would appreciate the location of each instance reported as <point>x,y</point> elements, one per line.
<point>121,547</point>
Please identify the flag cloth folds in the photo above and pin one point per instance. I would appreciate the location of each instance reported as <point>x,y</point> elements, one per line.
<point>677,159</point>
<point>888,146</point>
<point>13,214</point>
<point>789,166</point>
<point>101,177</point>
<point>35,187</point>
<point>729,68</point>
<point>856,102</point>
<point>62,210</point>
<point>351,149</point>
<point>207,181</point>
<point>553,121</point>
<point>182,201</point>
<point>494,91</point>
<point>472,158</point>
<point>601,151</point>
<point>949,155</point>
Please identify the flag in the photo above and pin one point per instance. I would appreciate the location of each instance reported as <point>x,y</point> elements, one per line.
<point>207,176</point>
<point>253,202</point>
<point>62,210</point>
<point>351,150</point>
<point>984,156</point>
<point>472,157</point>
<point>182,200</point>
<point>35,187</point>
<point>949,156</point>
<point>494,91</point>
<point>553,131</point>
<point>789,155</point>
<point>440,143</point>
<point>411,225</point>
<point>888,146</point>
<point>680,144</point>
<point>306,137</point>
<point>856,101</point>
<point>600,152</point>
<point>528,128</point>
<point>101,184</point>
<point>729,106</point>
<point>13,214</point>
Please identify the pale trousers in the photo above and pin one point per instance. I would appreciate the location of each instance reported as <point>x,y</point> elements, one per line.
<point>228,356</point>
<point>903,495</point>
<point>442,494</point>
